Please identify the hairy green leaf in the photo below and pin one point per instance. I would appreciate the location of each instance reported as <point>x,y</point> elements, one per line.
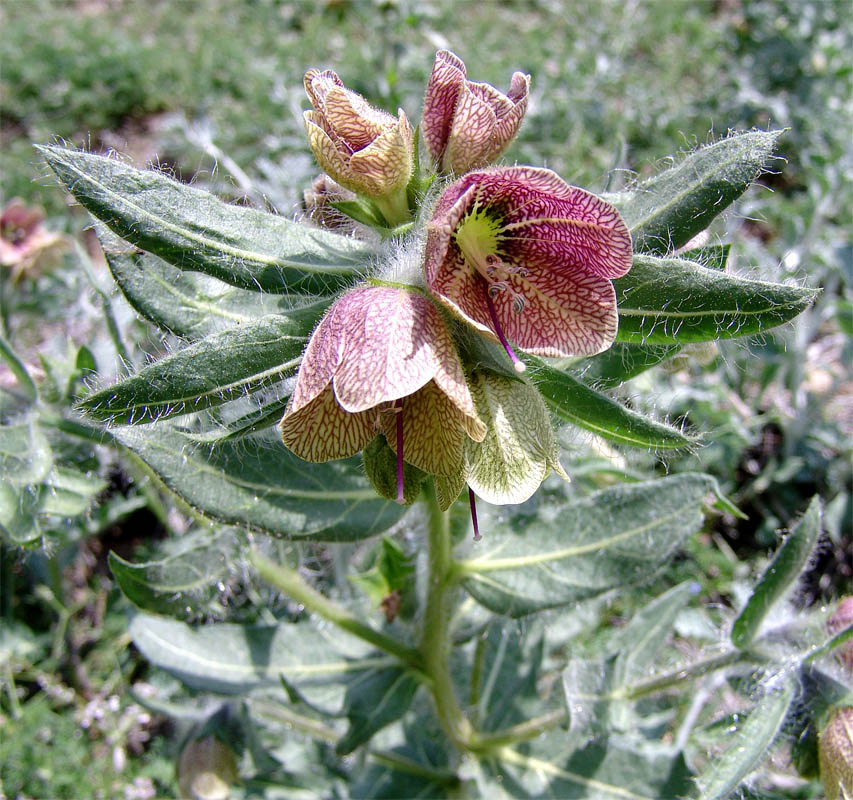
<point>573,401</point>
<point>666,211</point>
<point>262,485</point>
<point>789,561</point>
<point>749,745</point>
<point>671,301</point>
<point>613,538</point>
<point>267,413</point>
<point>236,659</point>
<point>27,512</point>
<point>621,362</point>
<point>192,304</point>
<point>18,514</point>
<point>418,767</point>
<point>374,700</point>
<point>180,584</point>
<point>712,256</point>
<point>587,686</point>
<point>646,633</point>
<point>508,662</point>
<point>639,644</point>
<point>613,768</point>
<point>221,367</point>
<point>194,230</point>
<point>25,454</point>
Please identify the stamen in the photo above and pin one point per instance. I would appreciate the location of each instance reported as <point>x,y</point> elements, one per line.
<point>473,505</point>
<point>517,364</point>
<point>398,407</point>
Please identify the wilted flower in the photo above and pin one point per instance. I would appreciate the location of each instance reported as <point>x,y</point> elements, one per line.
<point>361,147</point>
<point>317,203</point>
<point>24,241</point>
<point>382,360</point>
<point>525,257</point>
<point>468,125</point>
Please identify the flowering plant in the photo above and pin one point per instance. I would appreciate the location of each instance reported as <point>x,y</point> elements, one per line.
<point>434,325</point>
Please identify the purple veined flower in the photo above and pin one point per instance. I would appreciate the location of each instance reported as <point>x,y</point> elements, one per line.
<point>529,260</point>
<point>468,125</point>
<point>361,147</point>
<point>382,360</point>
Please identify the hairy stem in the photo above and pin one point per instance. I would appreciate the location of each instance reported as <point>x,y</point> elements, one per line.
<point>689,672</point>
<point>435,641</point>
<point>395,208</point>
<point>289,582</point>
<point>524,731</point>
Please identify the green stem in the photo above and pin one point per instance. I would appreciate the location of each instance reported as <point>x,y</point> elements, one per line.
<point>395,208</point>
<point>524,731</point>
<point>403,764</point>
<point>12,692</point>
<point>672,679</point>
<point>112,326</point>
<point>290,583</point>
<point>18,369</point>
<point>299,722</point>
<point>436,642</point>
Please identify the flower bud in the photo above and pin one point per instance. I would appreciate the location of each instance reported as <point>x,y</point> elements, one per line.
<point>207,769</point>
<point>835,751</point>
<point>468,125</point>
<point>361,147</point>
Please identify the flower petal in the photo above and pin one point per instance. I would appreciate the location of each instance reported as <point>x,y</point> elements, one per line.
<point>448,76</point>
<point>472,134</point>
<point>317,84</point>
<point>556,248</point>
<point>393,345</point>
<point>319,361</point>
<point>325,150</point>
<point>323,431</point>
<point>433,437</point>
<point>386,163</point>
<point>519,450</point>
<point>353,119</point>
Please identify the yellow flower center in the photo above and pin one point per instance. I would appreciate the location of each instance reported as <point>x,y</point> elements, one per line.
<point>477,236</point>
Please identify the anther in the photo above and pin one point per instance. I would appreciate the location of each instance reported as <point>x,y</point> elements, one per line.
<point>473,505</point>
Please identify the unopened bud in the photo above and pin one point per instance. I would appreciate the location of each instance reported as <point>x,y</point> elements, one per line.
<point>361,147</point>
<point>835,751</point>
<point>207,769</point>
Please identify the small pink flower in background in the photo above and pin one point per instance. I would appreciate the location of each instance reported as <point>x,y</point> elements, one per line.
<point>361,147</point>
<point>468,125</point>
<point>24,241</point>
<point>382,360</point>
<point>528,259</point>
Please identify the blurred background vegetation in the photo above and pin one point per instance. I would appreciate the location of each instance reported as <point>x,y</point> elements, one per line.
<point>211,90</point>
